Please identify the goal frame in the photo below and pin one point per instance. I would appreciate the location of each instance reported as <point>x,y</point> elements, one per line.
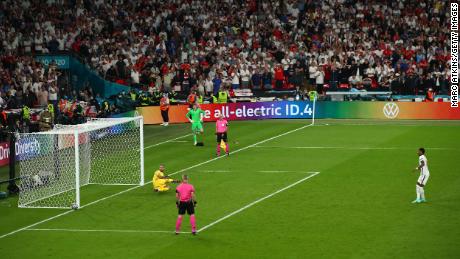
<point>76,131</point>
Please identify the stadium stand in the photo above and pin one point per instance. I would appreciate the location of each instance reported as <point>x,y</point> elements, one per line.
<point>204,45</point>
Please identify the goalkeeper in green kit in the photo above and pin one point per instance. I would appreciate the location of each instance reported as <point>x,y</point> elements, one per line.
<point>195,116</point>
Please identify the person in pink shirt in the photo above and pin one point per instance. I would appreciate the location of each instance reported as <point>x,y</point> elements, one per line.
<point>185,201</point>
<point>221,133</point>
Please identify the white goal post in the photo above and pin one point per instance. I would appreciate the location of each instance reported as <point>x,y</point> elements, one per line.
<point>54,165</point>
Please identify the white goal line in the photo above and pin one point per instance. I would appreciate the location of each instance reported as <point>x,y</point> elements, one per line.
<point>101,230</point>
<point>138,186</point>
<point>312,174</point>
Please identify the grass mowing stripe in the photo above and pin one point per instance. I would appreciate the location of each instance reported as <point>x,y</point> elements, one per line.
<point>378,122</point>
<point>135,187</point>
<point>103,230</point>
<point>257,201</point>
<point>164,231</point>
<point>263,171</point>
<point>35,224</point>
<point>356,148</point>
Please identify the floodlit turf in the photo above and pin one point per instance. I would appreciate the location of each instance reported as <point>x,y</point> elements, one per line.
<point>358,206</point>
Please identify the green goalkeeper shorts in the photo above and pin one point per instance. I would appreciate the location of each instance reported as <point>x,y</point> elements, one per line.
<point>197,126</point>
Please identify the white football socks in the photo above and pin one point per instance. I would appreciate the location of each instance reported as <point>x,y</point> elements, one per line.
<point>422,193</point>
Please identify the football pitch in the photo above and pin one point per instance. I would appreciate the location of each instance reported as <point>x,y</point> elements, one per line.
<point>338,189</point>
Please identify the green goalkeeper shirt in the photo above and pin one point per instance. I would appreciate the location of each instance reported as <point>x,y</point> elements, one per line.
<point>195,115</point>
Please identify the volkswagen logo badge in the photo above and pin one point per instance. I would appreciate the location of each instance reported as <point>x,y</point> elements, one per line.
<point>391,110</point>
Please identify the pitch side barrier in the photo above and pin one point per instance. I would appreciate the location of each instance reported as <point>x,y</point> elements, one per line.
<point>304,110</point>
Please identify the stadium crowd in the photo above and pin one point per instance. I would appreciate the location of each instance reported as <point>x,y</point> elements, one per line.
<point>207,45</point>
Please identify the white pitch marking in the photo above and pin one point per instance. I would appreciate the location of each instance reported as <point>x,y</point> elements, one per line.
<point>164,231</point>
<point>257,201</point>
<point>264,171</point>
<point>355,148</point>
<point>215,171</point>
<point>275,171</point>
<point>102,230</point>
<point>167,141</point>
<point>135,187</point>
<point>114,184</point>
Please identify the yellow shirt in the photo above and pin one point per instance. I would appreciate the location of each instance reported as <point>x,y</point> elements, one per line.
<point>157,175</point>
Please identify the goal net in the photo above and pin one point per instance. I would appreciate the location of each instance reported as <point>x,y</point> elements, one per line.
<point>55,165</point>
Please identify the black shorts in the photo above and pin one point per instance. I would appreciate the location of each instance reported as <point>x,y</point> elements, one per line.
<point>221,136</point>
<point>186,206</point>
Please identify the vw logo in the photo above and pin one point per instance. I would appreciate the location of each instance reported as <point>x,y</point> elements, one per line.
<point>391,110</point>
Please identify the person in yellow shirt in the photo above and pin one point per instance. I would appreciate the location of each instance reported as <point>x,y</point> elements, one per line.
<point>161,181</point>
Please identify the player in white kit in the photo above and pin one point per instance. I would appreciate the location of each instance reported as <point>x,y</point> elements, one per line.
<point>424,175</point>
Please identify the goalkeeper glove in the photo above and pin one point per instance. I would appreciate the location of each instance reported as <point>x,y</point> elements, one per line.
<point>177,204</point>
<point>194,203</point>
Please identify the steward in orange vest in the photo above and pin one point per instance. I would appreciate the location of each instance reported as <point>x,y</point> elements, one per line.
<point>164,107</point>
<point>429,95</point>
<point>191,99</point>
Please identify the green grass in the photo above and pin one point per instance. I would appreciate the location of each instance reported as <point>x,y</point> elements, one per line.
<point>358,206</point>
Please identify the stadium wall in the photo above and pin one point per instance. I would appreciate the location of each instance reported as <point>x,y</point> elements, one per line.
<point>299,110</point>
<point>82,76</point>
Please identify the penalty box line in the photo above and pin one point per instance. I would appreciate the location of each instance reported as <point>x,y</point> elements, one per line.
<point>167,141</point>
<point>135,187</point>
<point>312,174</point>
<point>256,201</point>
<point>104,230</point>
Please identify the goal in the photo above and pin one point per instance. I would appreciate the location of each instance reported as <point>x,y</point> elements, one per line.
<point>54,165</point>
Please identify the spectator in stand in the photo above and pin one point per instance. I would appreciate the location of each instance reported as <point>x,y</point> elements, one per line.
<point>2,100</point>
<point>167,80</point>
<point>267,79</point>
<point>30,99</point>
<point>121,68</point>
<point>200,87</point>
<point>235,79</point>
<point>279,77</point>
<point>256,80</point>
<point>10,101</point>
<point>319,79</point>
<point>43,97</point>
<point>217,83</point>
<point>53,94</point>
<point>245,77</point>
<point>19,98</point>
<point>312,69</point>
<point>208,85</point>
